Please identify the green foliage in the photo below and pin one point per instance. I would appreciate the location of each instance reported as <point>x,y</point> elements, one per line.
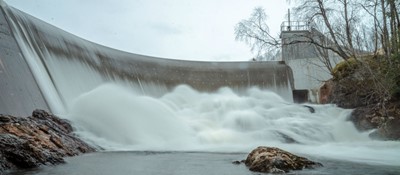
<point>345,68</point>
<point>377,76</point>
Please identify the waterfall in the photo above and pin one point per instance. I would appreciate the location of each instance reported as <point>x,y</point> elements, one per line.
<point>65,66</point>
<point>125,101</point>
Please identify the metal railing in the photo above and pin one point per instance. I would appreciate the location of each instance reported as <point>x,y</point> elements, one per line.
<point>295,26</point>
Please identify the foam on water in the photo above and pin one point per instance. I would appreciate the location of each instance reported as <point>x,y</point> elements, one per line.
<point>123,114</point>
<point>119,118</point>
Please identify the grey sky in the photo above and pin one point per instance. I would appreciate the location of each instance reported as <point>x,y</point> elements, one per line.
<point>179,29</point>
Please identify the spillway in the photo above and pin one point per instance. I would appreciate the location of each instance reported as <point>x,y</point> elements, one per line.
<point>42,66</point>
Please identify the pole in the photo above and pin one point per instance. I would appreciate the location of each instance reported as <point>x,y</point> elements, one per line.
<point>289,26</point>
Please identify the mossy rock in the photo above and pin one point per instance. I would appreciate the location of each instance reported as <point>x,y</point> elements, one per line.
<point>345,68</point>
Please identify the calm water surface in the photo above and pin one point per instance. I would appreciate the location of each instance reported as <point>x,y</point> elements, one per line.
<point>184,163</point>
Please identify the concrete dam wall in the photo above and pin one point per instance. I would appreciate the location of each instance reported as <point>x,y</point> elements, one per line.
<point>42,66</point>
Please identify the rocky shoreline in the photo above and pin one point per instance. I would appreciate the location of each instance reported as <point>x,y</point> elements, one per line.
<point>40,139</point>
<point>372,89</point>
<point>383,119</point>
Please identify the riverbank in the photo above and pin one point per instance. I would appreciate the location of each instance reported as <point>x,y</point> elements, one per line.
<point>370,86</point>
<point>40,139</point>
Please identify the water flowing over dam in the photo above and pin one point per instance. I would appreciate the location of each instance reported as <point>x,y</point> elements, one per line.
<point>129,102</point>
<point>56,57</point>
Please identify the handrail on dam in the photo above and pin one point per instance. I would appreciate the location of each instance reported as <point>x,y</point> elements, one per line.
<point>61,55</point>
<point>287,26</point>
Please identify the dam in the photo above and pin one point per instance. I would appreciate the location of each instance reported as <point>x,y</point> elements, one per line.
<point>44,67</point>
<point>168,116</point>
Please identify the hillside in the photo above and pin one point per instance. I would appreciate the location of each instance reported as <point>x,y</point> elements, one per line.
<point>371,86</point>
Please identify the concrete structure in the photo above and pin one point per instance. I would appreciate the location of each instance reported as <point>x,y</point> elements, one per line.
<point>45,67</point>
<point>19,91</point>
<point>307,61</point>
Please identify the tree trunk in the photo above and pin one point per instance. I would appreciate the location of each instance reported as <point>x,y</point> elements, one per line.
<point>376,35</point>
<point>340,51</point>
<point>385,35</point>
<point>348,28</point>
<point>394,27</point>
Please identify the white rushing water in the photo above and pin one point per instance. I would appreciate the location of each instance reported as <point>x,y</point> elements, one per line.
<point>118,118</point>
<point>116,115</point>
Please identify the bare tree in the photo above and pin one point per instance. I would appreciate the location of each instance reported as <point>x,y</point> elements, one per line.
<point>394,26</point>
<point>349,28</point>
<point>386,24</point>
<point>352,27</point>
<point>385,32</point>
<point>255,32</point>
<point>332,19</point>
<point>371,8</point>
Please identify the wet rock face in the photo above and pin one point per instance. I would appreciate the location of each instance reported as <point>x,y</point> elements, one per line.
<point>385,120</point>
<point>390,130</point>
<point>371,110</point>
<point>389,124</point>
<point>274,160</point>
<point>41,139</point>
<point>364,118</point>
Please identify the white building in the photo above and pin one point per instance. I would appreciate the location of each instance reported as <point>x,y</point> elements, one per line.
<point>309,63</point>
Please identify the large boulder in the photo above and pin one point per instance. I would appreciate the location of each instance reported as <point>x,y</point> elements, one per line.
<point>40,139</point>
<point>384,119</point>
<point>370,86</point>
<point>274,160</point>
<point>366,118</point>
<point>389,131</point>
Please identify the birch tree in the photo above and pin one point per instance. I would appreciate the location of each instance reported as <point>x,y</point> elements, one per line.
<point>255,32</point>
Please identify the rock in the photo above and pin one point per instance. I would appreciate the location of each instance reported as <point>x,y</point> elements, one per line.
<point>390,130</point>
<point>285,138</point>
<point>363,118</point>
<point>274,160</point>
<point>41,139</point>
<point>311,109</point>
<point>385,120</point>
<point>325,91</point>
<point>236,162</point>
<point>4,118</point>
<point>353,86</point>
<point>374,97</point>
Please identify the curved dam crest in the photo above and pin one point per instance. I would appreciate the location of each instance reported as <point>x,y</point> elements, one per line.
<point>42,66</point>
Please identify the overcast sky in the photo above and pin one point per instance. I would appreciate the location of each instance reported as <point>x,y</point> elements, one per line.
<point>179,29</point>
